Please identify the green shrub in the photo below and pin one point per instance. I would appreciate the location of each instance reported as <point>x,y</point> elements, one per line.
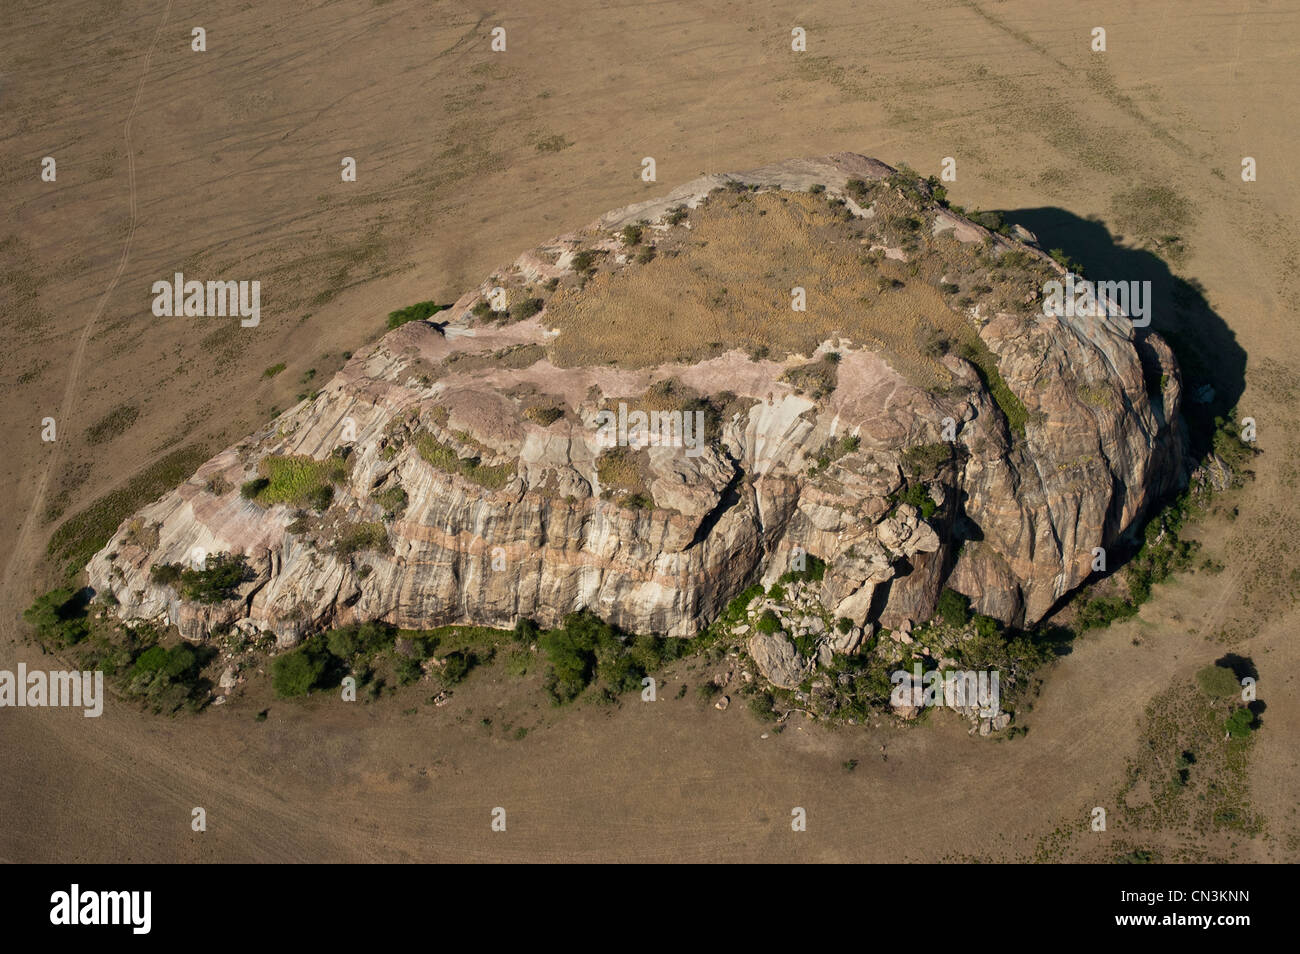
<point>919,497</point>
<point>59,617</point>
<point>217,581</point>
<point>761,704</point>
<point>954,607</point>
<point>457,666</point>
<point>298,672</point>
<point>1099,612</point>
<point>586,648</point>
<point>417,312</point>
<point>525,308</point>
<point>525,631</point>
<point>813,571</point>
<point>768,622</point>
<point>346,642</point>
<point>165,574</point>
<point>1240,723</point>
<point>585,261</point>
<point>924,460</point>
<point>573,664</point>
<point>166,679</point>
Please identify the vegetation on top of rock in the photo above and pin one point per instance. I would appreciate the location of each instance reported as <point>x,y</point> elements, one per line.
<point>918,495</point>
<point>812,570</point>
<point>623,473</point>
<point>298,481</point>
<point>417,312</point>
<point>370,535</point>
<point>444,458</point>
<point>217,581</point>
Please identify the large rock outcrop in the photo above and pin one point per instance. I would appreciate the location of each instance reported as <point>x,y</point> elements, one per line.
<point>461,470</point>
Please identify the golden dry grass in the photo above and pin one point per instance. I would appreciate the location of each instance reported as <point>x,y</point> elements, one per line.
<point>730,286</point>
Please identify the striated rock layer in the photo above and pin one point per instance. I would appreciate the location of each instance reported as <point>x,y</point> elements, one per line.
<point>510,508</point>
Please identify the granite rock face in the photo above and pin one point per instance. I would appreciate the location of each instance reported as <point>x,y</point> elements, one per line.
<point>481,475</point>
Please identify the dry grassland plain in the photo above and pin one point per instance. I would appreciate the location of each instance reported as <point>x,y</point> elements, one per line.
<point>227,162</point>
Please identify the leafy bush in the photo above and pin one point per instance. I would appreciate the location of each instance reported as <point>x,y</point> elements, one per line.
<point>347,642</point>
<point>525,308</point>
<point>768,622</point>
<point>585,261</point>
<point>954,607</point>
<point>298,672</point>
<point>924,460</point>
<point>393,500</point>
<point>813,571</point>
<point>1100,611</point>
<point>573,664</point>
<point>217,581</point>
<point>417,312</point>
<point>761,704</point>
<point>165,574</point>
<point>457,666</point>
<point>919,497</point>
<point>1218,682</point>
<point>525,631</point>
<point>166,679</point>
<point>59,617</point>
<point>1240,723</point>
<point>586,648</point>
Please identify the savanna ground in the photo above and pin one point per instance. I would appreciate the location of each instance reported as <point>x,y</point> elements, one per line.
<point>227,163</point>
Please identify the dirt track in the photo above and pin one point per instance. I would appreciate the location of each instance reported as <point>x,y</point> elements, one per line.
<point>227,162</point>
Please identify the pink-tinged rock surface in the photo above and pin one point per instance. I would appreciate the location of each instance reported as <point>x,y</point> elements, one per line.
<point>1015,529</point>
